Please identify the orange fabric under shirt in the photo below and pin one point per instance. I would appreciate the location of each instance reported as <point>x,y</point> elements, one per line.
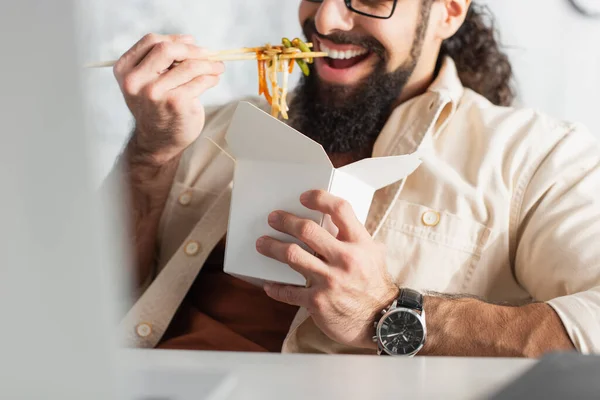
<point>224,313</point>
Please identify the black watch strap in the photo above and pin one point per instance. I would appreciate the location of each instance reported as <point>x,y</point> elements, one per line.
<point>409,298</point>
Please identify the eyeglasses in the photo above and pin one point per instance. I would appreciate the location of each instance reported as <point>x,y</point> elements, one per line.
<point>382,9</point>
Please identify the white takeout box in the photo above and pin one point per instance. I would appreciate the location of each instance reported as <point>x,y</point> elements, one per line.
<point>275,164</point>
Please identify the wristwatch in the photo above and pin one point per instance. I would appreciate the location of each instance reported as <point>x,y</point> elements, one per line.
<point>401,331</point>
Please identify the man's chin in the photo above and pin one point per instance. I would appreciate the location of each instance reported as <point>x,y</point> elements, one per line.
<point>336,95</point>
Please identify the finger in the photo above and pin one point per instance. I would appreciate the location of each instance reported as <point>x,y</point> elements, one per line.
<point>293,255</point>
<point>164,54</point>
<point>137,52</point>
<point>341,212</point>
<point>295,296</point>
<point>185,72</point>
<point>307,231</point>
<point>196,86</point>
<point>160,58</point>
<point>186,97</point>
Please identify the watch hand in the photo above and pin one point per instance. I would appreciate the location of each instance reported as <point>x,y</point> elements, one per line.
<point>396,334</point>
<point>393,335</point>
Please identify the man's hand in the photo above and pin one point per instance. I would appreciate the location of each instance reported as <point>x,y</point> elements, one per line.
<point>348,283</point>
<point>164,98</point>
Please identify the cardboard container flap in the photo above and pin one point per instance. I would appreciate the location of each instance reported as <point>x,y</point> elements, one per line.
<point>382,171</point>
<point>356,192</point>
<point>255,135</point>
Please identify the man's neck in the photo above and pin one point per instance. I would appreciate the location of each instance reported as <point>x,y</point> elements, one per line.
<point>416,88</point>
<point>422,77</point>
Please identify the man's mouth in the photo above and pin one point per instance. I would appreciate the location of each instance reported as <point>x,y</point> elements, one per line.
<point>346,64</point>
<point>341,59</point>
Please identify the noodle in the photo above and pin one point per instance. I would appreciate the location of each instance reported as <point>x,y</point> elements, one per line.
<point>270,65</point>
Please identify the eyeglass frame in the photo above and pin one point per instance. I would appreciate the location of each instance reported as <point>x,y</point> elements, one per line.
<point>349,7</point>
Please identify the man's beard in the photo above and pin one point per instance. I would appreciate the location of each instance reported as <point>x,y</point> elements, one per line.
<point>349,119</point>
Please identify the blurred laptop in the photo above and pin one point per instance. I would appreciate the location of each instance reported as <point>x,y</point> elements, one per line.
<point>556,377</point>
<point>62,257</point>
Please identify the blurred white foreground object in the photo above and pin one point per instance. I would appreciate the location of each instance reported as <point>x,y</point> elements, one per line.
<point>62,263</point>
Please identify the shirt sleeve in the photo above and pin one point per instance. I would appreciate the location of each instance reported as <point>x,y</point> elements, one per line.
<point>557,236</point>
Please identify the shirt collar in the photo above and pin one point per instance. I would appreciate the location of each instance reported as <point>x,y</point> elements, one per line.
<point>410,122</point>
<point>447,82</point>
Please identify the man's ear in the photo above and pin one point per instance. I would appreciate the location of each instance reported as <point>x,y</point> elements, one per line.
<point>454,13</point>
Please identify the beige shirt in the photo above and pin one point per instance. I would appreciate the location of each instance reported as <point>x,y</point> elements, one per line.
<point>505,206</point>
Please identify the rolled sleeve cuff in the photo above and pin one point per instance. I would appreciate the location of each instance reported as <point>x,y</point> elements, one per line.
<point>580,314</point>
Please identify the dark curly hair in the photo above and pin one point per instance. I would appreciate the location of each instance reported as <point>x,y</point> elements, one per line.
<point>481,63</point>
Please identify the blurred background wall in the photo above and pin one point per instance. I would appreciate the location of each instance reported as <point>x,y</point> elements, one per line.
<point>554,50</point>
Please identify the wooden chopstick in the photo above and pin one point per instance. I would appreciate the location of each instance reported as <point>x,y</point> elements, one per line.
<point>103,64</point>
<point>264,58</point>
<point>249,50</point>
<point>313,54</point>
<point>244,53</point>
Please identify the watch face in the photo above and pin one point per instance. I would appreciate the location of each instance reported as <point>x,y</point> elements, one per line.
<point>401,332</point>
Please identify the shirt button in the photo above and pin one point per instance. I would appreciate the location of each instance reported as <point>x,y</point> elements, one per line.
<point>192,248</point>
<point>143,330</point>
<point>431,218</point>
<point>185,198</point>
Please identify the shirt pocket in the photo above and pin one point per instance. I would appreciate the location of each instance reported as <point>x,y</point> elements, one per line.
<point>430,249</point>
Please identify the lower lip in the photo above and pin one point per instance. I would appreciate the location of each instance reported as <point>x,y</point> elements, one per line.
<point>343,76</point>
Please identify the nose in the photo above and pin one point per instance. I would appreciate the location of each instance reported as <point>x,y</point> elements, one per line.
<point>333,15</point>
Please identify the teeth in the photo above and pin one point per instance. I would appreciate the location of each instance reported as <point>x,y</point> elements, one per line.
<point>342,55</point>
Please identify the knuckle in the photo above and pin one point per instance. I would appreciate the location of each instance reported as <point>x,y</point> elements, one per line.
<point>341,207</point>
<point>163,47</point>
<point>307,229</point>
<point>329,281</point>
<point>316,302</point>
<point>347,259</point>
<point>174,103</point>
<point>152,93</point>
<point>131,85</point>
<point>292,253</point>
<point>151,38</point>
<point>288,295</point>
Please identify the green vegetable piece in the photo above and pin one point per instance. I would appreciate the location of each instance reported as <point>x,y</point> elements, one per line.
<point>303,48</point>
<point>303,66</point>
<point>301,45</point>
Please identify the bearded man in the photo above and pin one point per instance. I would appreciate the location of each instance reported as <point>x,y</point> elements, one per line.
<point>487,249</point>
